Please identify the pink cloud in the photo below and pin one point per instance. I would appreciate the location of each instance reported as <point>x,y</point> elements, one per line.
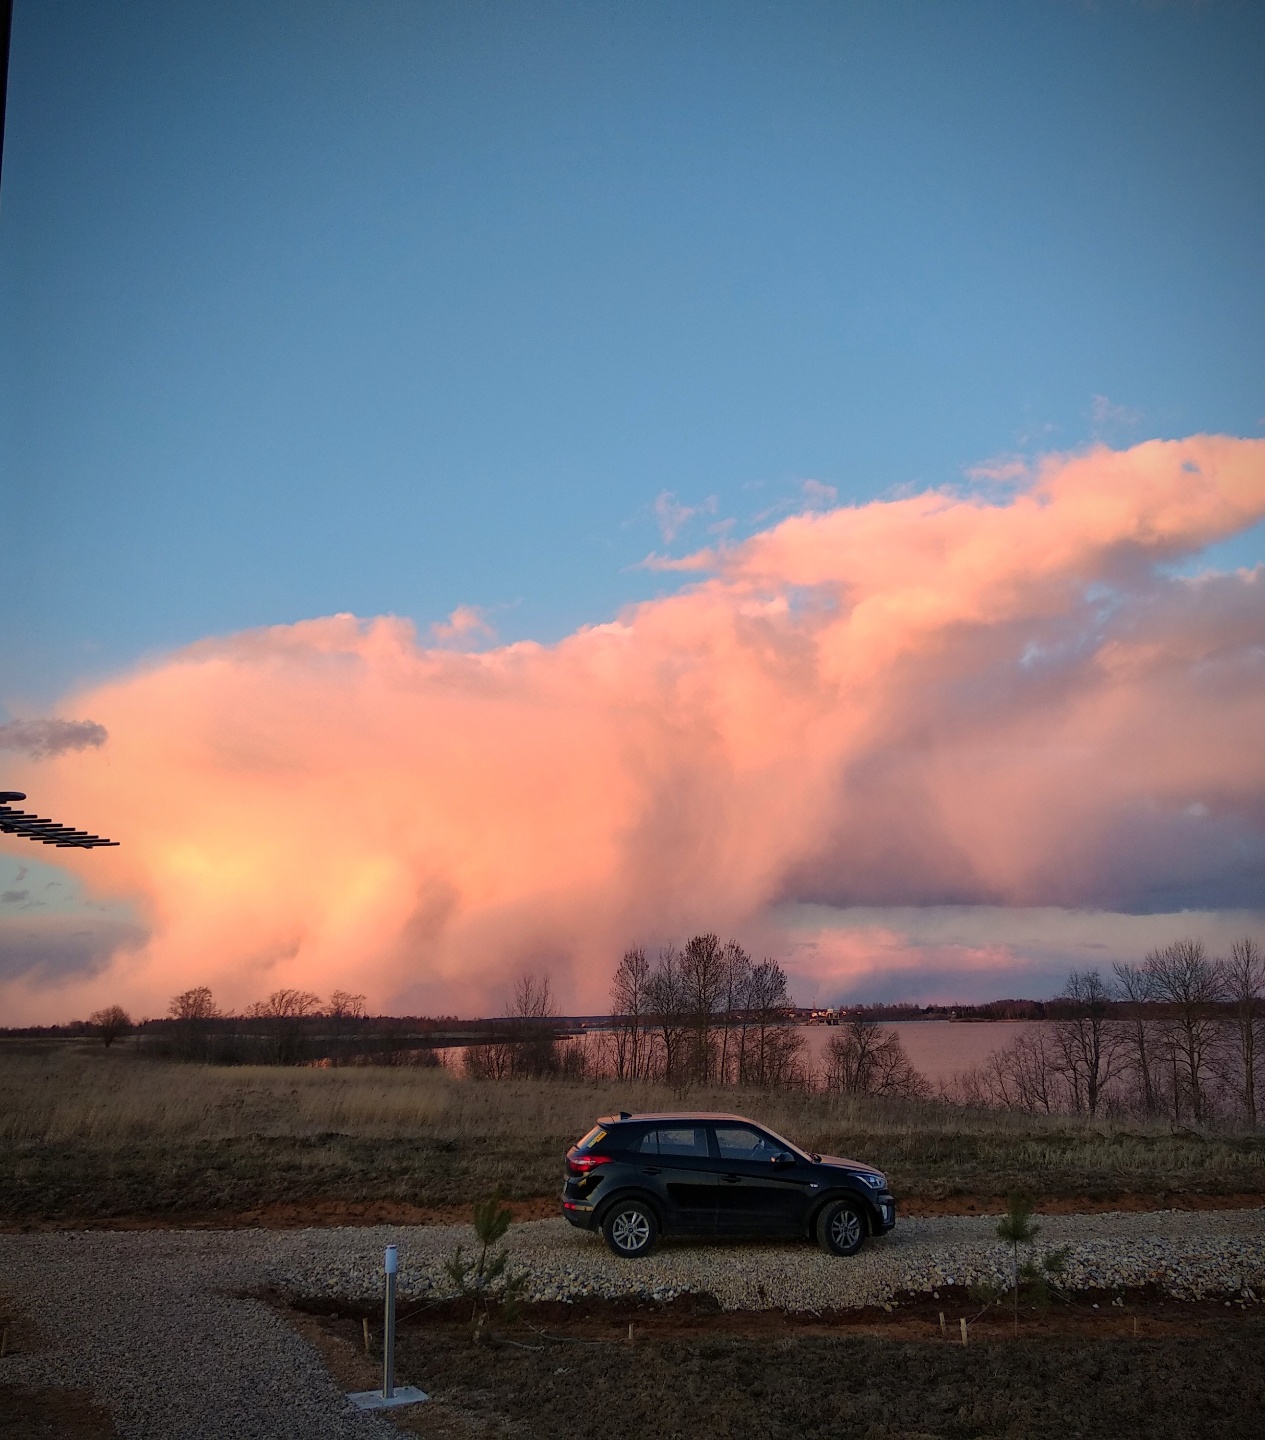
<point>1103,412</point>
<point>700,560</point>
<point>818,496</point>
<point>837,960</point>
<point>923,701</point>
<point>673,516</point>
<point>1001,468</point>
<point>466,623</point>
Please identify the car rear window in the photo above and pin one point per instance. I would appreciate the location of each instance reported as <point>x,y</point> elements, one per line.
<point>675,1140</point>
<point>594,1137</point>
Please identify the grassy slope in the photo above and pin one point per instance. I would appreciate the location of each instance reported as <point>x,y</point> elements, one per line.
<point>90,1134</point>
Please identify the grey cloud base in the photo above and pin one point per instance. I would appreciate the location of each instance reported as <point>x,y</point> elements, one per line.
<point>51,949</point>
<point>42,739</point>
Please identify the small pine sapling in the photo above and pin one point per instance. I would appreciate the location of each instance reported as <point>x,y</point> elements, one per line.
<point>1016,1228</point>
<point>1041,1277</point>
<point>485,1273</point>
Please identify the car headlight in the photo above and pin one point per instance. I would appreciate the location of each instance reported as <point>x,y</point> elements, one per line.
<point>873,1180</point>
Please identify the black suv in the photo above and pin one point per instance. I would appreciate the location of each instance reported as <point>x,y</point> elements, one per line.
<point>636,1177</point>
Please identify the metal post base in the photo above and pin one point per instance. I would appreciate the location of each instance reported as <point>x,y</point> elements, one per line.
<point>376,1400</point>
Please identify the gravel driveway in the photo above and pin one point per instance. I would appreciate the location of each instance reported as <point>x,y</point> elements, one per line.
<point>149,1322</point>
<point>152,1323</point>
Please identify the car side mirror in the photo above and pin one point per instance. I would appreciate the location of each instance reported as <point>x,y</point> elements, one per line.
<point>784,1157</point>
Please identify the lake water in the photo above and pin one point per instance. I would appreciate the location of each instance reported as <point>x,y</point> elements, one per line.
<point>937,1048</point>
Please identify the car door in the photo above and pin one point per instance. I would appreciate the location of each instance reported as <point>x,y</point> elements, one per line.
<point>756,1195</point>
<point>676,1161</point>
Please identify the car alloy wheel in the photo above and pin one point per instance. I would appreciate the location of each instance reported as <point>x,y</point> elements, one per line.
<point>630,1230</point>
<point>841,1228</point>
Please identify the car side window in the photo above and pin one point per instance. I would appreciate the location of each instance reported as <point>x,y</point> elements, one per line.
<point>688,1140</point>
<point>740,1142</point>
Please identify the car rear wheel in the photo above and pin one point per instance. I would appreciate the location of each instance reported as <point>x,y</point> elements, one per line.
<point>841,1228</point>
<point>631,1229</point>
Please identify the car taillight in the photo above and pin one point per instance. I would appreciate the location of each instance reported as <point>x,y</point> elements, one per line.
<point>582,1164</point>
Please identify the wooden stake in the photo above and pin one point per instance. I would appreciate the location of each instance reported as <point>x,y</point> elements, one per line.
<point>364,1325</point>
<point>4,1342</point>
<point>630,1332</point>
<point>943,1329</point>
<point>962,1323</point>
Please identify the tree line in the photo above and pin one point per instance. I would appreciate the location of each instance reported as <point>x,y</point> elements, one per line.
<point>1179,1035</point>
<point>705,1013</point>
<point>288,1027</point>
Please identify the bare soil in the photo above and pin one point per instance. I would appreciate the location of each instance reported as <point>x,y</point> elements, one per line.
<point>50,1414</point>
<point>1111,1373</point>
<point>1131,1200</point>
<point>290,1215</point>
<point>27,1413</point>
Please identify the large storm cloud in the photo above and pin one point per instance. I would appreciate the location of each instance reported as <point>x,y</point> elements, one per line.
<point>1008,699</point>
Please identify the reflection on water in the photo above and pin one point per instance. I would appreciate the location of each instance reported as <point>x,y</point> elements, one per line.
<point>937,1048</point>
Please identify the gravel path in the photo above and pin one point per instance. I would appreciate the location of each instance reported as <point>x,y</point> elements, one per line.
<point>1189,1255</point>
<point>151,1322</point>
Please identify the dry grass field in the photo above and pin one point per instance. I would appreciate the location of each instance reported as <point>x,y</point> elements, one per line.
<point>105,1136</point>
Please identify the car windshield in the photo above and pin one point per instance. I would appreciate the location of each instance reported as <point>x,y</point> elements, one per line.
<point>782,1140</point>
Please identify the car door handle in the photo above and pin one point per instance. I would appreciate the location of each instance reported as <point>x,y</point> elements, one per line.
<point>650,1170</point>
<point>731,1179</point>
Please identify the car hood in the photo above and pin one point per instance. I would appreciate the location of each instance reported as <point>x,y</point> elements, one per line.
<point>841,1162</point>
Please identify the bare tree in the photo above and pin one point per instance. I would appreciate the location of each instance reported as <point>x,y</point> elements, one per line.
<point>703,972</point>
<point>1024,1075</point>
<point>286,1004</point>
<point>1189,985</point>
<point>193,1010</point>
<point>343,1005</point>
<point>735,984</point>
<point>535,1037</point>
<point>195,1004</point>
<point>666,1018</point>
<point>666,999</point>
<point>491,1061</point>
<point>110,1023</point>
<point>346,1016</point>
<point>284,1012</point>
<point>533,997</point>
<point>865,1059</point>
<point>630,1016</point>
<point>1087,1040</point>
<point>1244,975</point>
<point>770,1046</point>
<point>1134,993</point>
<point>1034,1071</point>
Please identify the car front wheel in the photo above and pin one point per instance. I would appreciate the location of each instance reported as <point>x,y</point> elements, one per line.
<point>841,1228</point>
<point>631,1229</point>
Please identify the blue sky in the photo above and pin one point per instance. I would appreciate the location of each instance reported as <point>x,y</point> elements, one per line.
<point>391,307</point>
